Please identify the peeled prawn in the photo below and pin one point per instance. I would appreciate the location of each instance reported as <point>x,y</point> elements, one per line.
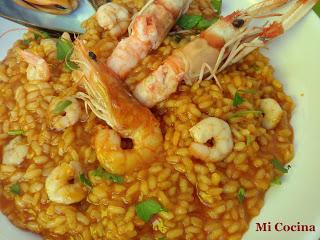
<point>272,113</point>
<point>114,18</point>
<point>110,101</point>
<point>38,69</point>
<point>59,189</point>
<point>149,28</point>
<point>205,130</point>
<point>225,42</point>
<point>15,152</point>
<point>70,115</point>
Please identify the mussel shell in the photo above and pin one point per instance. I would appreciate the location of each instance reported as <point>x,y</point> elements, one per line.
<point>48,22</point>
<point>55,7</point>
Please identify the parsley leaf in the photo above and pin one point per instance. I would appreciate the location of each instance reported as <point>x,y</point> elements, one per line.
<point>64,52</point>
<point>237,100</point>
<point>241,194</point>
<point>70,66</point>
<point>16,132</point>
<point>15,189</point>
<point>189,21</point>
<point>276,181</point>
<point>195,22</point>
<point>85,181</point>
<point>61,106</point>
<point>26,42</point>
<point>217,4</point>
<point>64,48</point>
<point>244,113</point>
<point>204,23</point>
<point>99,172</point>
<point>278,165</point>
<point>316,9</point>
<point>146,209</point>
<point>248,140</point>
<point>41,34</point>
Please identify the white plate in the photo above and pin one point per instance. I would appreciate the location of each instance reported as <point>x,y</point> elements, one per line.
<point>296,58</point>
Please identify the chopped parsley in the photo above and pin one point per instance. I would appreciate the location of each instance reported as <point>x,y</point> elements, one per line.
<point>61,106</point>
<point>26,42</point>
<point>195,22</point>
<point>146,209</point>
<point>248,140</point>
<point>217,4</point>
<point>279,166</point>
<point>244,113</point>
<point>15,189</point>
<point>162,238</point>
<point>255,67</point>
<point>64,52</point>
<point>99,172</point>
<point>241,194</point>
<point>41,34</point>
<point>276,181</point>
<point>85,181</point>
<point>238,100</point>
<point>16,132</point>
<point>316,9</point>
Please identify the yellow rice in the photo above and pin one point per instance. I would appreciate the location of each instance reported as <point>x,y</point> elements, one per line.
<point>201,198</point>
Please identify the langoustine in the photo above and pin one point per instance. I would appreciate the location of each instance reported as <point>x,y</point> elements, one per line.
<point>225,42</point>
<point>147,31</point>
<point>109,100</point>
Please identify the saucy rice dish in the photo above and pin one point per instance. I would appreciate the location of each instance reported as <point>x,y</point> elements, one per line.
<point>92,149</point>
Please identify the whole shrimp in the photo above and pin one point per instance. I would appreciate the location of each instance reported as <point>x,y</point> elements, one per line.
<point>207,129</point>
<point>38,69</point>
<point>225,42</point>
<point>114,18</point>
<point>111,102</point>
<point>59,189</point>
<point>148,29</point>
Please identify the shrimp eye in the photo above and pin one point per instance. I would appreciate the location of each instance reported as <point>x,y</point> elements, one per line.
<point>93,56</point>
<point>238,23</point>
